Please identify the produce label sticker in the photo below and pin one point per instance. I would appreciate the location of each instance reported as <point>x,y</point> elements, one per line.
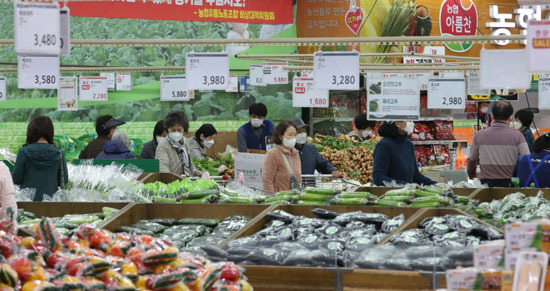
<point>244,85</point>
<point>2,89</point>
<point>207,71</point>
<point>110,80</point>
<point>336,70</point>
<point>274,73</point>
<point>67,94</point>
<point>474,87</point>
<point>425,50</point>
<point>93,89</point>
<point>38,72</point>
<point>65,31</point>
<point>123,82</point>
<point>250,165</point>
<point>305,95</point>
<point>36,28</point>
<point>393,99</point>
<point>174,88</point>
<point>538,46</point>
<point>447,94</point>
<point>257,75</point>
<point>544,93</point>
<point>233,84</point>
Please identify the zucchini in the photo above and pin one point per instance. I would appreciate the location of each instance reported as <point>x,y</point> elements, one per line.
<point>236,200</point>
<point>462,199</point>
<point>349,201</point>
<point>289,198</point>
<point>314,197</point>
<point>430,204</point>
<point>397,198</point>
<point>305,202</point>
<point>430,199</point>
<point>321,191</point>
<point>389,203</point>
<point>204,200</point>
<point>420,193</point>
<point>159,199</point>
<point>357,195</point>
<point>438,190</point>
<point>399,192</point>
<point>287,193</point>
<point>199,194</point>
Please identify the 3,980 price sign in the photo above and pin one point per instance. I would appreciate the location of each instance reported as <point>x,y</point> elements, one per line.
<point>37,28</point>
<point>38,72</point>
<point>173,88</point>
<point>336,70</point>
<point>207,71</point>
<point>447,94</point>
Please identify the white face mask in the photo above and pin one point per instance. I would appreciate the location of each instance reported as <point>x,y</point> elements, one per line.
<point>208,143</point>
<point>160,138</point>
<point>515,125</point>
<point>289,142</point>
<point>301,138</point>
<point>409,128</point>
<point>176,136</point>
<point>366,133</point>
<point>256,122</point>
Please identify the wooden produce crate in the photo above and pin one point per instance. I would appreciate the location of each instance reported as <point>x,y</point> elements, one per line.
<point>58,209</point>
<point>277,278</point>
<point>379,191</point>
<point>386,280</point>
<point>490,194</point>
<point>166,178</point>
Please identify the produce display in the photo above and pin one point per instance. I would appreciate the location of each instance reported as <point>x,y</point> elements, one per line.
<point>161,192</point>
<point>212,164</point>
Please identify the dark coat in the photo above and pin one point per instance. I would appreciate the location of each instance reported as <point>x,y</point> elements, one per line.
<point>94,147</point>
<point>115,150</point>
<point>148,151</point>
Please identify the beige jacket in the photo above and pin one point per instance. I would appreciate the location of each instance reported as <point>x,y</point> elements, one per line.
<point>275,174</point>
<point>169,161</point>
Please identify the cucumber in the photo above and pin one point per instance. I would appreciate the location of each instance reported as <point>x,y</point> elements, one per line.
<point>164,200</point>
<point>397,198</point>
<point>199,194</point>
<point>287,193</point>
<point>420,193</point>
<point>349,201</point>
<point>236,200</point>
<point>389,203</point>
<point>322,191</point>
<point>430,199</point>
<point>204,200</point>
<point>399,192</point>
<point>314,197</point>
<point>305,202</point>
<point>356,195</point>
<point>438,190</point>
<point>426,204</point>
<point>289,198</point>
<point>231,193</point>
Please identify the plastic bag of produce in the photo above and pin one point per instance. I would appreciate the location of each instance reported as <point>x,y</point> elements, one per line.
<point>484,232</point>
<point>438,264</point>
<point>286,248</point>
<point>431,220</point>
<point>299,257</point>
<point>205,240</point>
<point>364,232</point>
<point>330,230</point>
<point>266,256</point>
<point>412,237</point>
<point>358,225</point>
<point>359,243</point>
<point>374,257</point>
<point>201,221</point>
<point>398,264</point>
<point>150,226</point>
<point>417,252</point>
<point>455,238</point>
<point>324,214</point>
<point>310,241</point>
<point>377,238</point>
<point>309,222</point>
<point>392,224</point>
<point>437,229</point>
<point>460,222</point>
<point>281,215</point>
<point>368,218</point>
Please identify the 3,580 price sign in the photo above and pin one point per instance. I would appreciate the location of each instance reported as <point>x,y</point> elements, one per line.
<point>38,72</point>
<point>37,28</point>
<point>447,94</point>
<point>336,70</point>
<point>207,71</point>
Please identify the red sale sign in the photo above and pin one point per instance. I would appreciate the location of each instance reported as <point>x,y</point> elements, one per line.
<point>455,19</point>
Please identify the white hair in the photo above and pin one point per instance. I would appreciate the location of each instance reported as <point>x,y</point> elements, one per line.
<point>121,136</point>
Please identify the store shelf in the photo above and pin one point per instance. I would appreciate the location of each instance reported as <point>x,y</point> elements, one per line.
<point>447,118</point>
<point>432,142</point>
<point>335,119</point>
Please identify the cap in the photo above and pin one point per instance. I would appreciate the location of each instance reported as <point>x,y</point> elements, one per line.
<point>112,123</point>
<point>299,123</point>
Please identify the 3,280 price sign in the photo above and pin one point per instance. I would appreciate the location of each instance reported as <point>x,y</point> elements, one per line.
<point>336,70</point>
<point>37,28</point>
<point>173,88</point>
<point>207,71</point>
<point>447,94</point>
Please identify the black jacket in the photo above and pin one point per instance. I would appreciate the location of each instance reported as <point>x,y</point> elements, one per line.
<point>148,151</point>
<point>95,147</point>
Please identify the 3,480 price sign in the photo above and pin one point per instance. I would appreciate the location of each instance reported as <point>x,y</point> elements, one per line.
<point>447,94</point>
<point>207,71</point>
<point>37,28</point>
<point>336,70</point>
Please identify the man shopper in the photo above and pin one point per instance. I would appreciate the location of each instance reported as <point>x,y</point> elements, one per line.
<point>105,126</point>
<point>253,134</point>
<point>497,149</point>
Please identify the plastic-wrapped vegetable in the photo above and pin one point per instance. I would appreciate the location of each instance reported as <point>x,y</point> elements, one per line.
<point>392,224</point>
<point>413,237</point>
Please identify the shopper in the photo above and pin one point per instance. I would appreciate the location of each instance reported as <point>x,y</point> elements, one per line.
<point>173,152</point>
<point>535,168</point>
<point>523,120</point>
<point>497,149</point>
<point>364,128</point>
<point>309,156</point>
<point>105,126</point>
<point>282,169</point>
<point>7,192</point>
<point>40,164</point>
<point>394,159</point>
<point>203,139</point>
<point>253,135</point>
<point>117,148</point>
<point>149,148</point>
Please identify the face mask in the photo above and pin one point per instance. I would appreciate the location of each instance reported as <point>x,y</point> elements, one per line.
<point>515,125</point>
<point>484,110</point>
<point>208,143</point>
<point>160,138</point>
<point>289,142</point>
<point>301,138</point>
<point>176,136</point>
<point>256,122</point>
<point>367,133</point>
<point>409,128</point>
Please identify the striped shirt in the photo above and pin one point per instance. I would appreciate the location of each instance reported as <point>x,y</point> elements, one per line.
<point>496,150</point>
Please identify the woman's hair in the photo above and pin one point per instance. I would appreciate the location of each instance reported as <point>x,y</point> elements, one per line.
<point>40,126</point>
<point>362,123</point>
<point>525,117</point>
<point>159,129</point>
<point>121,136</point>
<point>99,124</point>
<point>207,130</point>
<point>280,131</point>
<point>176,117</point>
<point>542,143</point>
<point>388,129</point>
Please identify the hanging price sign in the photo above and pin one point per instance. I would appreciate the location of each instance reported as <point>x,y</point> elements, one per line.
<point>393,98</point>
<point>36,28</point>
<point>336,70</point>
<point>173,88</point>
<point>274,73</point>
<point>257,75</point>
<point>123,82</point>
<point>93,89</point>
<point>304,95</point>
<point>207,71</point>
<point>233,84</point>
<point>474,87</point>
<point>2,88</point>
<point>67,94</point>
<point>65,31</point>
<point>447,94</point>
<point>111,82</point>
<point>38,72</point>
<point>544,93</point>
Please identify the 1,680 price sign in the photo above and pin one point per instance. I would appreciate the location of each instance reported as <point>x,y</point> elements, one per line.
<point>336,70</point>
<point>304,95</point>
<point>447,94</point>
<point>207,71</point>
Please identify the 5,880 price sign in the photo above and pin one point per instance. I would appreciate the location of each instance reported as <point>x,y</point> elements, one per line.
<point>37,28</point>
<point>38,72</point>
<point>173,88</point>
<point>207,71</point>
<point>447,94</point>
<point>336,70</point>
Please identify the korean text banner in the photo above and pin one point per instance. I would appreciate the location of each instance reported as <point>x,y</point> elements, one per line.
<point>245,11</point>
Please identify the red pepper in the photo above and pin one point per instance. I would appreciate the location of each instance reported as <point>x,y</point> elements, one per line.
<point>56,261</point>
<point>100,239</point>
<point>230,272</point>
<point>22,266</point>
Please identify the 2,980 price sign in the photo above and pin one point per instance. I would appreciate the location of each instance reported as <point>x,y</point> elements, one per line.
<point>447,94</point>
<point>38,72</point>
<point>336,70</point>
<point>173,88</point>
<point>207,71</point>
<point>37,28</point>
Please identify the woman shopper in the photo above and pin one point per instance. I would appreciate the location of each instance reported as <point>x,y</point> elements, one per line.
<point>173,152</point>
<point>534,169</point>
<point>394,158</point>
<point>40,164</point>
<point>363,128</point>
<point>204,139</point>
<point>282,168</point>
<point>7,192</point>
<point>149,148</point>
<point>117,148</point>
<point>523,120</point>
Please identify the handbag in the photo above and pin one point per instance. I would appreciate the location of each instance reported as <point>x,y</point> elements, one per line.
<point>294,184</point>
<point>62,171</point>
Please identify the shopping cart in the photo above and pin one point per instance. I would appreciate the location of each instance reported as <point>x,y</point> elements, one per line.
<point>326,182</point>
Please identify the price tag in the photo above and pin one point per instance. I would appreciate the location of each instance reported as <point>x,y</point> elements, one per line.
<point>36,28</point>
<point>173,88</point>
<point>38,72</point>
<point>111,82</point>
<point>393,99</point>
<point>93,89</point>
<point>65,31</point>
<point>538,46</point>
<point>304,95</point>
<point>2,88</point>
<point>245,84</point>
<point>123,82</point>
<point>233,84</point>
<point>544,93</point>
<point>257,75</point>
<point>274,73</point>
<point>67,94</point>
<point>207,71</point>
<point>336,70</point>
<point>447,94</point>
<point>474,87</point>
